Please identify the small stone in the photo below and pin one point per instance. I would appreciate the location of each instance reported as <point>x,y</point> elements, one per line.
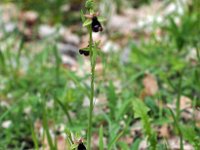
<point>6,124</point>
<point>69,37</point>
<point>110,47</point>
<point>46,30</point>
<point>10,27</point>
<point>68,60</point>
<point>68,49</point>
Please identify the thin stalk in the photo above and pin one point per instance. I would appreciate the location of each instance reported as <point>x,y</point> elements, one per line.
<point>57,69</point>
<point>176,123</point>
<point>177,118</point>
<point>21,44</point>
<point>178,98</point>
<point>91,92</point>
<point>197,53</point>
<point>65,109</point>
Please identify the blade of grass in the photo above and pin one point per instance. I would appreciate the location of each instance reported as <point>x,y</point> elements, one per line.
<point>178,97</point>
<point>46,129</point>
<point>78,83</point>
<point>115,140</point>
<point>58,61</point>
<point>101,144</point>
<point>21,44</point>
<point>10,109</point>
<point>178,128</point>
<point>34,139</point>
<point>64,108</point>
<point>2,60</point>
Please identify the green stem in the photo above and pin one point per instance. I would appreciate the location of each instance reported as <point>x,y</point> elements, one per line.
<point>177,125</point>
<point>57,69</point>
<point>178,98</point>
<point>91,92</point>
<point>19,53</point>
<point>178,110</point>
<point>198,54</point>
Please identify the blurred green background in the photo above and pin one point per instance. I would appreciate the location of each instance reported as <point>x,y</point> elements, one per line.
<point>44,82</point>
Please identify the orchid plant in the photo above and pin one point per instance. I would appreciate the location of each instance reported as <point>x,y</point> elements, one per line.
<point>92,20</point>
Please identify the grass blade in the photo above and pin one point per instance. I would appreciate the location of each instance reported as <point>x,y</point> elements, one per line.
<point>101,144</point>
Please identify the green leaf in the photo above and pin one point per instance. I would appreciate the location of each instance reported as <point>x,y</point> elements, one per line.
<point>65,109</point>
<point>69,136</point>
<point>112,96</point>
<point>188,132</point>
<point>101,145</point>
<point>123,109</point>
<point>82,16</point>
<point>46,129</point>
<point>87,22</point>
<point>73,146</point>
<point>136,144</point>
<point>123,146</point>
<point>101,19</point>
<point>2,60</point>
<point>94,56</point>
<point>140,109</point>
<point>89,4</point>
<point>34,137</point>
<point>113,141</point>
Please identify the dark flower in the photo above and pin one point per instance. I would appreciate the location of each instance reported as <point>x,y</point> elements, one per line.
<point>81,146</point>
<point>96,26</point>
<point>84,52</point>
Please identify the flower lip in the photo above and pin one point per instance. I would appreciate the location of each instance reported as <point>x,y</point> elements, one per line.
<point>81,146</point>
<point>84,52</point>
<point>96,25</point>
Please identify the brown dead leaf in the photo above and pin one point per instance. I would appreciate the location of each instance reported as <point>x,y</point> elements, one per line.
<point>45,144</point>
<point>197,118</point>
<point>150,86</point>
<point>187,114</point>
<point>164,131</point>
<point>37,126</point>
<point>99,69</point>
<point>185,102</point>
<point>61,143</point>
<point>127,139</point>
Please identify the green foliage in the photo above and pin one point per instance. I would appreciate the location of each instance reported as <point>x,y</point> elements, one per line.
<point>135,145</point>
<point>139,3</point>
<point>87,22</point>
<point>112,97</point>
<point>123,145</point>
<point>32,79</point>
<point>141,111</point>
<point>186,32</point>
<point>189,134</point>
<point>177,125</point>
<point>47,131</point>
<point>89,5</point>
<point>114,140</point>
<point>101,142</point>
